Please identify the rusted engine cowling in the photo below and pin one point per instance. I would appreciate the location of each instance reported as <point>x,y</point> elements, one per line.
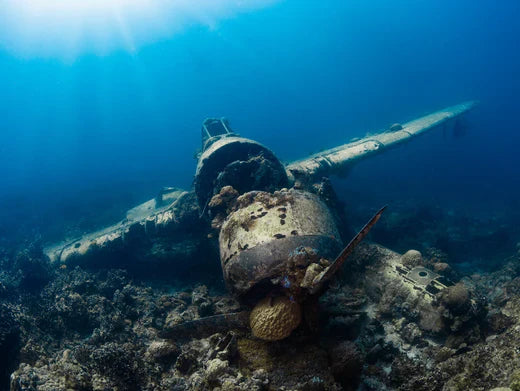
<point>258,239</point>
<point>239,162</point>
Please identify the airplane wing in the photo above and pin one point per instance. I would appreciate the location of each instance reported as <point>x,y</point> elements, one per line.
<point>340,159</point>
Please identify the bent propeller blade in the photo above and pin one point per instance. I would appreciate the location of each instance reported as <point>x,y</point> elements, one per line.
<point>207,326</point>
<point>342,257</point>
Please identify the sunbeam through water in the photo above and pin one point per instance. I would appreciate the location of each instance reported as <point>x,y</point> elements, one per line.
<point>69,28</point>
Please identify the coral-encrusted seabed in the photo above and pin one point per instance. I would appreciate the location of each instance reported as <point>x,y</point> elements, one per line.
<point>71,328</point>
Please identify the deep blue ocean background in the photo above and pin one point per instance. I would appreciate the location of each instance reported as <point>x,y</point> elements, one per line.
<point>84,139</point>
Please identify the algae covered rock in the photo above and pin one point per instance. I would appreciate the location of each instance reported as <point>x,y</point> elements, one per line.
<point>515,381</point>
<point>215,369</point>
<point>312,271</point>
<point>286,365</point>
<point>412,258</point>
<point>275,319</point>
<point>162,351</point>
<point>347,363</point>
<point>456,298</point>
<point>9,340</point>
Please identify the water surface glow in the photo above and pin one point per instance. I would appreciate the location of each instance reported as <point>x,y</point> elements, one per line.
<point>68,28</point>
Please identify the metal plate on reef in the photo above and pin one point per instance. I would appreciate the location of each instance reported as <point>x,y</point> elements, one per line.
<point>422,276</point>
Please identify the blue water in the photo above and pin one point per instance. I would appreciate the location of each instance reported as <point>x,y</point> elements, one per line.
<point>85,133</point>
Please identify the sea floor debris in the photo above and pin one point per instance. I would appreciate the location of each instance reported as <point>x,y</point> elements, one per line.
<point>101,330</point>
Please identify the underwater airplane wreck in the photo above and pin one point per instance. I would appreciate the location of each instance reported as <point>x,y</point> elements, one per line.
<point>277,228</point>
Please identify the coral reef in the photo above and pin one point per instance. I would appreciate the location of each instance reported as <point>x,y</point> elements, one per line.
<point>412,258</point>
<point>101,330</point>
<point>77,328</point>
<point>9,340</point>
<point>273,319</point>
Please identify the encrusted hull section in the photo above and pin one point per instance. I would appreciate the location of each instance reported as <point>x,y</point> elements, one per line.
<point>151,239</point>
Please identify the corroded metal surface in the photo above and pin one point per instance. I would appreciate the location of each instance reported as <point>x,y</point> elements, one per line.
<point>424,280</point>
<point>221,153</point>
<point>347,251</point>
<point>341,158</point>
<point>270,260</point>
<point>257,239</point>
<point>144,221</point>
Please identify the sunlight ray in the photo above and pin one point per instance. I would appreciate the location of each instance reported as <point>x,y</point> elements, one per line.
<point>66,29</point>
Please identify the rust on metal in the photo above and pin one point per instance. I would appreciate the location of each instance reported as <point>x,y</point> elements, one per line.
<point>338,262</point>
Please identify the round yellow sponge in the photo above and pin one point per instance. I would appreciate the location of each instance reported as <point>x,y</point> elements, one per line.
<point>273,319</point>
